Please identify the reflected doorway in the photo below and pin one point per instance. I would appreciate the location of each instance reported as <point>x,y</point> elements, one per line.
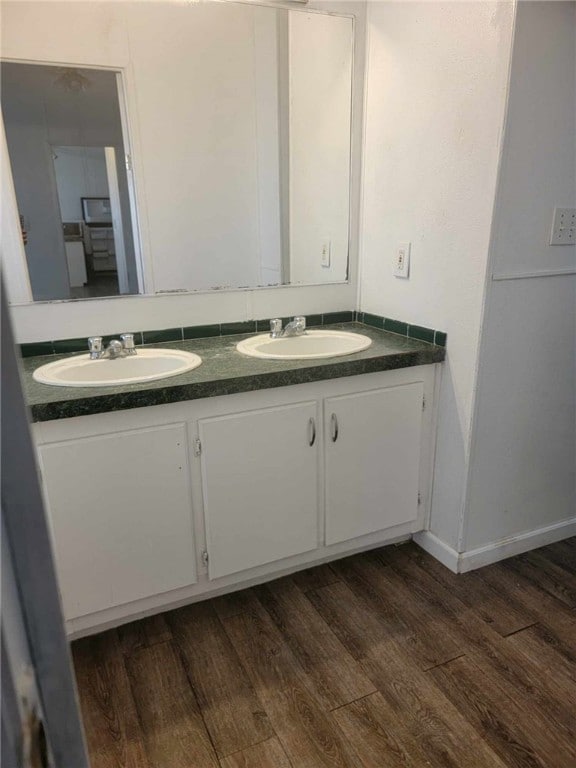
<point>74,189</point>
<point>90,212</point>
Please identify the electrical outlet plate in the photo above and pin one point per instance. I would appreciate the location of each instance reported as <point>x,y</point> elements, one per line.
<point>563,227</point>
<point>402,264</point>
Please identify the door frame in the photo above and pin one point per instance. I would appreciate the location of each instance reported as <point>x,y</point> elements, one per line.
<point>37,601</point>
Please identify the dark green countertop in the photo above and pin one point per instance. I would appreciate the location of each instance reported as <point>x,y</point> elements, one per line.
<point>223,371</point>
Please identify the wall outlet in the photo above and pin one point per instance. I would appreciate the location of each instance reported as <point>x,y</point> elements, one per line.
<point>402,263</point>
<point>563,227</point>
<point>325,254</point>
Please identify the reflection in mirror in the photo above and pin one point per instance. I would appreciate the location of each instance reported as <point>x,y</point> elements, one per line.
<point>243,117</point>
<point>92,226</point>
<point>64,135</point>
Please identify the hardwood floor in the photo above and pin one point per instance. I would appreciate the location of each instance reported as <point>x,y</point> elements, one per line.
<point>382,660</point>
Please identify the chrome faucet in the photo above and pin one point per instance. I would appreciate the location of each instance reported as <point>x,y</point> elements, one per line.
<point>295,327</point>
<point>115,349</point>
<point>276,328</point>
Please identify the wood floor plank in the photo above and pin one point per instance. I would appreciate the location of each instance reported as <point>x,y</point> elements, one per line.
<point>525,677</point>
<point>174,732</point>
<point>447,738</point>
<point>463,618</point>
<point>547,610</point>
<point>358,574</point>
<point>233,603</point>
<point>544,648</point>
<point>546,575</point>
<point>554,695</point>
<point>410,619</point>
<point>233,715</point>
<point>563,553</point>
<point>516,729</point>
<point>491,605</point>
<point>113,732</point>
<point>378,736</point>
<point>143,633</point>
<point>309,737</point>
<point>268,754</point>
<point>338,679</point>
<point>315,578</point>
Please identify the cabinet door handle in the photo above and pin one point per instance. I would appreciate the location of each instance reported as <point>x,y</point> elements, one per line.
<point>311,431</point>
<point>334,427</point>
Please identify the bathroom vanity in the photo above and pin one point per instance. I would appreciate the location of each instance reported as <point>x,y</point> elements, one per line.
<point>237,472</point>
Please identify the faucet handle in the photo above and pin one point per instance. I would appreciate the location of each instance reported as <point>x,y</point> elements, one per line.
<point>276,326</point>
<point>127,340</point>
<point>95,343</point>
<point>300,321</point>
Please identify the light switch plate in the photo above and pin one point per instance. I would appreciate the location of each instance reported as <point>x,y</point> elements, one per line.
<point>402,264</point>
<point>563,227</point>
<point>325,253</point>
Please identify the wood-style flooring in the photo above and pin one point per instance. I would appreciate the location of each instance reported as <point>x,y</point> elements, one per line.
<point>381,660</point>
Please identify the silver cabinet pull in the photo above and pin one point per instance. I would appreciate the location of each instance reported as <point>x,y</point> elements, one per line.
<point>311,431</point>
<point>334,427</point>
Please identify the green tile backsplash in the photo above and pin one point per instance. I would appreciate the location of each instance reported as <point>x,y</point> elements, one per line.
<point>37,348</point>
<point>338,317</point>
<point>227,329</point>
<point>63,346</point>
<point>395,326</point>
<point>159,337</point>
<point>423,334</point>
<point>201,331</point>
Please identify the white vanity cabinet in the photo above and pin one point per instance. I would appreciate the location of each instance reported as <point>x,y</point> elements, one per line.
<point>372,448</point>
<point>260,486</point>
<point>154,507</point>
<point>120,513</point>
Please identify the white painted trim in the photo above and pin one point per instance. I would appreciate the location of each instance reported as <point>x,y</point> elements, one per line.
<point>114,196</point>
<point>516,545</point>
<point>535,273</point>
<point>462,562</point>
<point>438,549</point>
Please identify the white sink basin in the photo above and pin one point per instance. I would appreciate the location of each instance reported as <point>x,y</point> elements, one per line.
<point>312,345</point>
<point>146,365</point>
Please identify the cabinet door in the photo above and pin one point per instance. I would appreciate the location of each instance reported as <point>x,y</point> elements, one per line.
<point>372,460</point>
<point>260,485</point>
<point>121,516</point>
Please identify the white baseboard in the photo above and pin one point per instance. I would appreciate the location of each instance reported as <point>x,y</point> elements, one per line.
<point>516,545</point>
<point>438,549</point>
<point>461,562</point>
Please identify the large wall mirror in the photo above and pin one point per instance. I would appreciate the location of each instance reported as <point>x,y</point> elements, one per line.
<point>239,176</point>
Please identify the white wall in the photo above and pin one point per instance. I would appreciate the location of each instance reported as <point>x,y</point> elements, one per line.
<point>320,63</point>
<point>436,87</point>
<point>523,465</point>
<point>98,34</point>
